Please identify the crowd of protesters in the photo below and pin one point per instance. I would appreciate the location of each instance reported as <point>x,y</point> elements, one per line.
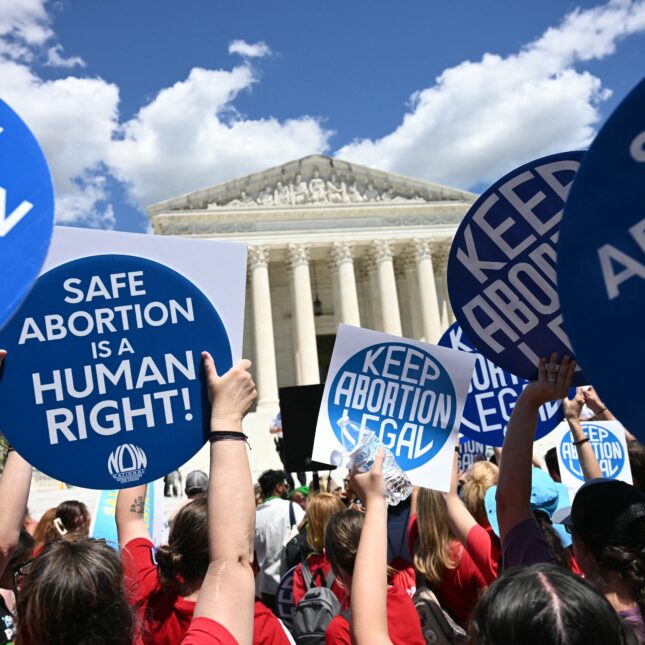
<point>500,559</point>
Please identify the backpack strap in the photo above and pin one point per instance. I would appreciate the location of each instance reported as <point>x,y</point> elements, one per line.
<point>292,516</point>
<point>306,575</point>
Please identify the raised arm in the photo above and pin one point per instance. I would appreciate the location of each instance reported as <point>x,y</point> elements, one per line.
<point>586,456</point>
<point>594,403</point>
<point>459,517</point>
<point>368,620</point>
<point>228,592</point>
<point>514,482</point>
<point>130,504</point>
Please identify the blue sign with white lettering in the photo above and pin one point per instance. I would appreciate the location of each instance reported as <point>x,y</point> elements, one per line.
<point>401,393</point>
<point>102,386</point>
<point>492,395</point>
<point>601,261</point>
<point>470,452</point>
<point>606,445</point>
<point>26,211</point>
<point>502,266</point>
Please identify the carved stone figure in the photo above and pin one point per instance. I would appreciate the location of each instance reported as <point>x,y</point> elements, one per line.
<point>243,200</point>
<point>266,196</point>
<point>282,194</point>
<point>353,194</point>
<point>317,189</point>
<point>371,194</point>
<point>300,190</point>
<point>335,191</point>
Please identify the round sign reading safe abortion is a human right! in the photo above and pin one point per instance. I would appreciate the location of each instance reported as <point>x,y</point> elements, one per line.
<point>502,266</point>
<point>103,385</point>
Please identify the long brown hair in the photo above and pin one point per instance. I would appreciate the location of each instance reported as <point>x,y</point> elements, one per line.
<point>74,593</point>
<point>433,552</point>
<point>43,526</point>
<point>319,509</point>
<point>70,517</point>
<point>479,478</point>
<point>342,535</point>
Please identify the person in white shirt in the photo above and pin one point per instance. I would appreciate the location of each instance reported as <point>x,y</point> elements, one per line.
<point>274,520</point>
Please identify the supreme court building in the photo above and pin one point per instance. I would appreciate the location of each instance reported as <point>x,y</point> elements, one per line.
<point>329,242</point>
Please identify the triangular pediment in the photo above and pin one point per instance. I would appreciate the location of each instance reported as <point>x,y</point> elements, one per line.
<point>314,181</point>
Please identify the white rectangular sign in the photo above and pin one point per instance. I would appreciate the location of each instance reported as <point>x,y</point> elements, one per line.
<point>607,438</point>
<point>411,394</point>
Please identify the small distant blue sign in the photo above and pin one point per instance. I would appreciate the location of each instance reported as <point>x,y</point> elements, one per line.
<point>492,395</point>
<point>606,445</point>
<point>26,211</point>
<point>103,386</point>
<point>502,266</point>
<point>601,262</point>
<point>470,452</point>
<point>401,393</point>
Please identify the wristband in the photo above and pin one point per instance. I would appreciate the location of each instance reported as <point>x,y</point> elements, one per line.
<point>580,441</point>
<point>230,435</point>
<point>456,448</point>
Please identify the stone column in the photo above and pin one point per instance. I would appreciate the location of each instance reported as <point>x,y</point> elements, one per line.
<point>440,261</point>
<point>412,283</point>
<point>342,263</point>
<point>266,376</point>
<point>388,300</point>
<point>428,303</point>
<point>303,315</point>
<point>363,288</point>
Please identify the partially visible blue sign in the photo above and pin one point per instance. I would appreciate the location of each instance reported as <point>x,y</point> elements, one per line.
<point>502,266</point>
<point>601,262</point>
<point>103,385</point>
<point>26,211</point>
<point>492,395</point>
<point>470,452</point>
<point>401,393</point>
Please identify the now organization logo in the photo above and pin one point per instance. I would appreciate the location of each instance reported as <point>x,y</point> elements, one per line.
<point>127,463</point>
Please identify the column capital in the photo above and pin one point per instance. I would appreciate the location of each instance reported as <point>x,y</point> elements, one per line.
<point>381,251</point>
<point>258,256</point>
<point>297,254</point>
<point>440,253</point>
<point>420,248</point>
<point>339,253</point>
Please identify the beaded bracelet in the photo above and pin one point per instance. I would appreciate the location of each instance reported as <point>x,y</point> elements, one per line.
<point>223,435</point>
<point>580,441</point>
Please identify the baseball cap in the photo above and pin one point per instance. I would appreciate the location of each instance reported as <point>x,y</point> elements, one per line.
<point>546,496</point>
<point>196,482</point>
<point>605,510</point>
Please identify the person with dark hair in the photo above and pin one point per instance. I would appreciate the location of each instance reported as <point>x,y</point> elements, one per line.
<point>21,556</point>
<point>552,465</point>
<point>636,453</point>
<point>83,580</point>
<point>71,517</point>
<point>544,604</point>
<point>607,524</point>
<point>276,520</point>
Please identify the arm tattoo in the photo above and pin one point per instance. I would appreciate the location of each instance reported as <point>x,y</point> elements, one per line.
<point>138,505</point>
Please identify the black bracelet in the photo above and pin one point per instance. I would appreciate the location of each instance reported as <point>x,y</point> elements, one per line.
<point>223,435</point>
<point>580,441</point>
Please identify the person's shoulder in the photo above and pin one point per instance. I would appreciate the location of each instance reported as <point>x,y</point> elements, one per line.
<point>204,631</point>
<point>337,632</point>
<point>137,545</point>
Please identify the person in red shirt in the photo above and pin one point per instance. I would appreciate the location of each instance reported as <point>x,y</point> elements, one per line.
<point>440,559</point>
<point>342,537</point>
<point>319,509</point>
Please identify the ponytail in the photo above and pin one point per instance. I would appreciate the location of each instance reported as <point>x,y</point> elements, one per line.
<point>561,556</point>
<point>479,478</point>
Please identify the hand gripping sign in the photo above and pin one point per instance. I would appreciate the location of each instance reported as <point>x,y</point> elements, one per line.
<point>409,393</point>
<point>26,211</point>
<point>502,266</point>
<point>607,439</point>
<point>492,395</point>
<point>601,261</point>
<point>103,385</point>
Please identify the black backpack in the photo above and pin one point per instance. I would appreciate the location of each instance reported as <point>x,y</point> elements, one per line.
<point>316,609</point>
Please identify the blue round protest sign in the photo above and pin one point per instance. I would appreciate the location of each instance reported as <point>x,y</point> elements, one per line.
<point>601,261</point>
<point>26,211</point>
<point>103,385</point>
<point>606,446</point>
<point>401,393</point>
<point>502,266</point>
<point>492,395</point>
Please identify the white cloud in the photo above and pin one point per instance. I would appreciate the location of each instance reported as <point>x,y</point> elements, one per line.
<point>55,58</point>
<point>249,50</point>
<point>483,118</point>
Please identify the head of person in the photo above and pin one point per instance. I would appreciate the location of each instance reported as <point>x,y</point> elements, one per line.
<point>552,465</point>
<point>43,526</point>
<point>185,557</point>
<point>71,518</point>
<point>342,536</point>
<point>300,496</point>
<point>541,604</point>
<point>607,524</point>
<point>196,484</point>
<point>22,554</point>
<point>636,453</point>
<point>73,592</point>
<point>547,497</point>
<point>433,551</point>
<point>319,509</point>
<point>274,484</point>
<point>480,476</point>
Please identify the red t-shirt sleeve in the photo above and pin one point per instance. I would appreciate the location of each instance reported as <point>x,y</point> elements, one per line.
<point>267,629</point>
<point>298,585</point>
<point>338,632</point>
<point>479,546</point>
<point>204,631</point>
<point>140,570</point>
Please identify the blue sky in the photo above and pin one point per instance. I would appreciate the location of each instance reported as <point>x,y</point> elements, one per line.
<point>138,101</point>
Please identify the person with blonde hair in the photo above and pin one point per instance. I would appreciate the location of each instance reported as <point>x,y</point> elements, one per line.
<point>480,476</point>
<point>440,559</point>
<point>319,509</point>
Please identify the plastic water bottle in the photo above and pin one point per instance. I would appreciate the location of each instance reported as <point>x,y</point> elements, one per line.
<point>362,454</point>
